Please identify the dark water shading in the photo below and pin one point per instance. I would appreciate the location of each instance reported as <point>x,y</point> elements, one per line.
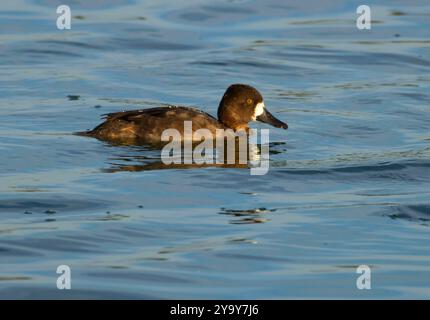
<point>348,182</point>
<point>247,216</point>
<point>40,293</point>
<point>49,205</point>
<point>73,97</point>
<point>84,5</point>
<point>420,213</point>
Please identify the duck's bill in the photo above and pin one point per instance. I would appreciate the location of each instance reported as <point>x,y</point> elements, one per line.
<point>268,118</point>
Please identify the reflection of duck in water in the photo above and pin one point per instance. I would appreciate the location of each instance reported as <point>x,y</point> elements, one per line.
<point>147,158</point>
<point>239,105</point>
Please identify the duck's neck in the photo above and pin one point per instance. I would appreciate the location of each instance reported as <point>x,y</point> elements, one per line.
<point>234,124</point>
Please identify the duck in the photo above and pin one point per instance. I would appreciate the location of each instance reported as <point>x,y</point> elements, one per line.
<point>239,105</point>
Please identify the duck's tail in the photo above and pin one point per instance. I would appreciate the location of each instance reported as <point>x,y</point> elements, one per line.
<point>89,133</point>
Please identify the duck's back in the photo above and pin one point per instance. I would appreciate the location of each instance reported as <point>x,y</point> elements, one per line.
<point>147,125</point>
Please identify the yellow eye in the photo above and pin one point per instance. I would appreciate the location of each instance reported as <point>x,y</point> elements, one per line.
<point>249,101</point>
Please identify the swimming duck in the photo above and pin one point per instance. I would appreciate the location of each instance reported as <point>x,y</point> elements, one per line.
<point>240,105</point>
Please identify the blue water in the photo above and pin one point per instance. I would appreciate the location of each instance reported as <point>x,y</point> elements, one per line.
<point>348,182</point>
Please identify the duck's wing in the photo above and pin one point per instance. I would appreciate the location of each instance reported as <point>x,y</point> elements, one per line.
<point>168,112</point>
<point>127,115</point>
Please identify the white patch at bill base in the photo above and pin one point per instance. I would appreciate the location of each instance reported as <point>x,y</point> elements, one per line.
<point>259,110</point>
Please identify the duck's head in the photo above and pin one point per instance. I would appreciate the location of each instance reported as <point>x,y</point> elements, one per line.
<point>241,104</point>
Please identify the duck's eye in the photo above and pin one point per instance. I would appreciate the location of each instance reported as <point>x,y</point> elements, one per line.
<point>249,101</point>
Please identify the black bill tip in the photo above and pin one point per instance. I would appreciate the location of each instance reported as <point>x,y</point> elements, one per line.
<point>268,118</point>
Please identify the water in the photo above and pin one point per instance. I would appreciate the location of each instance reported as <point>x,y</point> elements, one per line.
<point>348,184</point>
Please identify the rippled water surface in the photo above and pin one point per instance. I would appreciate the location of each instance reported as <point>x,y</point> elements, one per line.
<point>348,182</point>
